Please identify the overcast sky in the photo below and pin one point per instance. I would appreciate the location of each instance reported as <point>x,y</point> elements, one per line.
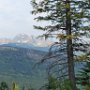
<point>15,18</point>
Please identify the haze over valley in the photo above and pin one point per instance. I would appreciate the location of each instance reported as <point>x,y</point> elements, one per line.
<point>26,39</point>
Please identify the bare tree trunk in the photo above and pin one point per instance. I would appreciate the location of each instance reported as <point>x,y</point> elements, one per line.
<point>70,47</point>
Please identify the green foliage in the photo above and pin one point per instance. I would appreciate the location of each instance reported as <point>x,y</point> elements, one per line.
<point>55,84</point>
<point>56,12</point>
<point>66,85</point>
<point>30,88</point>
<point>83,78</point>
<point>52,83</point>
<point>87,87</point>
<point>4,86</point>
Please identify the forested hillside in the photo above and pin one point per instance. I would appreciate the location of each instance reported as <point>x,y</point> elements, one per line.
<point>17,65</point>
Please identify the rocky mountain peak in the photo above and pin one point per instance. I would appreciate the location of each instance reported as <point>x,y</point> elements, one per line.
<point>24,38</point>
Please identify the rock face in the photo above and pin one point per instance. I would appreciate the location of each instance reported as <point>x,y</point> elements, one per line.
<point>24,38</point>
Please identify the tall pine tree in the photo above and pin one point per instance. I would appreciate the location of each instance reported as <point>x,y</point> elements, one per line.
<point>69,21</point>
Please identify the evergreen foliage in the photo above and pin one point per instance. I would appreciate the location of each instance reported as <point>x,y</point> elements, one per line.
<point>30,88</point>
<point>4,86</point>
<point>69,22</point>
<point>55,84</point>
<point>83,78</point>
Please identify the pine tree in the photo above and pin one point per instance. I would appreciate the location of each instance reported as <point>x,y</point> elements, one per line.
<point>83,78</point>
<point>4,86</point>
<point>30,88</point>
<point>69,21</point>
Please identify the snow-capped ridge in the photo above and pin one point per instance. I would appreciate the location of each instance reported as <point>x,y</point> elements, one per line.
<point>24,38</point>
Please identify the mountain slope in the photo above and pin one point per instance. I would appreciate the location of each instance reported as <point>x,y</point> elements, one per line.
<point>26,45</point>
<point>16,64</point>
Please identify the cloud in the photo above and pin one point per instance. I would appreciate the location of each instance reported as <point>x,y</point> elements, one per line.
<point>15,17</point>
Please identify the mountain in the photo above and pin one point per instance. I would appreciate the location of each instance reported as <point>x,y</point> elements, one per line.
<point>17,65</point>
<point>26,45</point>
<point>22,38</point>
<point>26,39</point>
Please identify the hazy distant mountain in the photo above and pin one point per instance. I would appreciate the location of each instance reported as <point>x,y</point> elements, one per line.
<point>22,38</point>
<point>26,39</point>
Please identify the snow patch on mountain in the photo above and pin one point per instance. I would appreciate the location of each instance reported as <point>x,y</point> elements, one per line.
<point>24,38</point>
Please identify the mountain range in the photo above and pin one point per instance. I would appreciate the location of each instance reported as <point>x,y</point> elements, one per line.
<point>26,39</point>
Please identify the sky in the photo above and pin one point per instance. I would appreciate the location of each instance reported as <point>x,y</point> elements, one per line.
<point>15,18</point>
